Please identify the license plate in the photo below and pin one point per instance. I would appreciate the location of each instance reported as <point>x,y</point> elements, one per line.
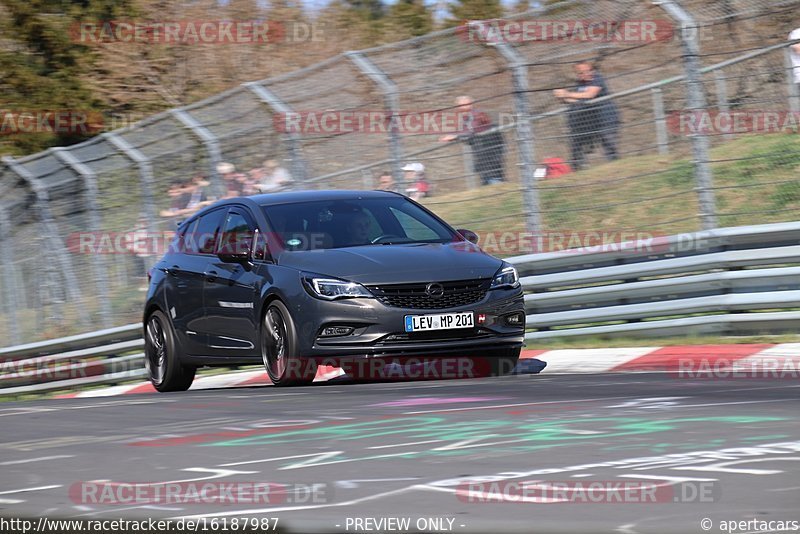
<point>442,321</point>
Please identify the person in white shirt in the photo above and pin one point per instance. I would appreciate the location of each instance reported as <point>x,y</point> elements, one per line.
<point>795,55</point>
<point>276,178</point>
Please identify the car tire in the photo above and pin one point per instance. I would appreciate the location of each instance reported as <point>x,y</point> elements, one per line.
<point>161,356</point>
<point>279,348</point>
<point>504,361</point>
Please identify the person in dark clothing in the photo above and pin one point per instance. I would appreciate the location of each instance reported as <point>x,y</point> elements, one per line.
<point>590,122</point>
<point>487,148</point>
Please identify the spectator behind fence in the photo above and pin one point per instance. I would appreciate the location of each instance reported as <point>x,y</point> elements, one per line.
<point>795,55</point>
<point>590,122</point>
<point>198,193</point>
<point>187,197</point>
<point>487,148</point>
<point>275,178</point>
<point>235,182</point>
<point>179,195</point>
<point>418,185</point>
<point>386,181</point>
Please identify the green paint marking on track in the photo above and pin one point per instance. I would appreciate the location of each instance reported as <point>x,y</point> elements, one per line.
<point>437,427</point>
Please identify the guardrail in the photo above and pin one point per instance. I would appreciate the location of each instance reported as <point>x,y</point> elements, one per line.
<point>726,281</point>
<point>723,281</point>
<point>103,357</point>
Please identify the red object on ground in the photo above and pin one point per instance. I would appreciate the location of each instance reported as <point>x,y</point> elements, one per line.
<point>556,167</point>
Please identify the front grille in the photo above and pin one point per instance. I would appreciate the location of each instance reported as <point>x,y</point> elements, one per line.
<point>413,296</point>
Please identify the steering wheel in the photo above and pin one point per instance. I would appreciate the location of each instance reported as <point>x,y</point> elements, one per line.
<point>383,237</point>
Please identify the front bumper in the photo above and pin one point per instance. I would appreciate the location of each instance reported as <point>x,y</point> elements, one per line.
<point>378,329</point>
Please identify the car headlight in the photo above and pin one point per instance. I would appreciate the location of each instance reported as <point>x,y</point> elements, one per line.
<point>331,288</point>
<point>506,277</point>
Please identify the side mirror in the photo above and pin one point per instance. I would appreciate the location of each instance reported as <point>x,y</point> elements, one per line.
<point>469,235</point>
<point>238,253</point>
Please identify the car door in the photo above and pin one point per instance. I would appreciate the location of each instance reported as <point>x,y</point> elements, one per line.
<point>185,270</point>
<point>230,291</point>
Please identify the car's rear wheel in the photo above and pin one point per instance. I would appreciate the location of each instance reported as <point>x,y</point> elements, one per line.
<point>279,348</point>
<point>161,359</point>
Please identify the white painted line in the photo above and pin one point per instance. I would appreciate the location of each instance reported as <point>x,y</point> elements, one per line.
<point>25,490</point>
<point>122,402</point>
<point>309,463</point>
<point>406,444</point>
<point>350,484</point>
<point>215,473</point>
<point>464,444</point>
<point>108,391</point>
<point>682,406</point>
<point>313,454</point>
<point>794,488</point>
<point>496,406</point>
<point>42,459</point>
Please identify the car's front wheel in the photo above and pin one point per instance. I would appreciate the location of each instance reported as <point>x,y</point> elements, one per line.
<point>279,348</point>
<point>164,368</point>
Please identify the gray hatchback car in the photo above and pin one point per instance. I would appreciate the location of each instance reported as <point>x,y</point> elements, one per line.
<point>297,280</point>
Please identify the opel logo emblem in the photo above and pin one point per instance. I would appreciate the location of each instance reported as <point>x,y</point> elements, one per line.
<point>435,290</point>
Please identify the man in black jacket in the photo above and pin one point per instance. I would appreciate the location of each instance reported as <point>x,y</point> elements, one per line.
<point>487,148</point>
<point>589,121</point>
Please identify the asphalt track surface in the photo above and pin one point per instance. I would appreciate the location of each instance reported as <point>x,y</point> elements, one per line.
<point>405,450</point>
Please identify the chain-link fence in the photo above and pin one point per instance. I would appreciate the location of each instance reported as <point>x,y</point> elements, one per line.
<point>492,115</point>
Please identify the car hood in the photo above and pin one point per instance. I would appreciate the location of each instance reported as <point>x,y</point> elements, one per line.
<point>397,264</point>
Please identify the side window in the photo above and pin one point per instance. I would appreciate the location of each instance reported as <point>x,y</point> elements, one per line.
<point>414,228</point>
<point>182,241</point>
<point>203,238</point>
<point>237,234</point>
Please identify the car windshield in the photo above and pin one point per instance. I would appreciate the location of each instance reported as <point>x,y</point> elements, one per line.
<point>354,222</point>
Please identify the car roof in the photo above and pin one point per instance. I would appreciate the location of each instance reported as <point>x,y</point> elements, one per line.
<point>291,197</point>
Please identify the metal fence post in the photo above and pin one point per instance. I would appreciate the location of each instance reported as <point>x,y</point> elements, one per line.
<point>211,143</point>
<point>142,162</point>
<point>791,85</point>
<point>525,137</point>
<point>722,96</point>
<point>58,249</point>
<point>10,287</point>
<point>662,140</point>
<point>292,140</point>
<point>100,266</point>
<point>696,100</point>
<point>392,102</point>
<point>468,159</point>
<point>146,178</point>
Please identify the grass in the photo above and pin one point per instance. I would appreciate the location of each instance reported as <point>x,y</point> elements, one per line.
<point>755,179</point>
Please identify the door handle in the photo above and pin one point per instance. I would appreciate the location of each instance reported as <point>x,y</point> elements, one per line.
<point>211,275</point>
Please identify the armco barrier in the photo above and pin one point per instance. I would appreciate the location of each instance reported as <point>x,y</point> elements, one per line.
<point>730,281</point>
<point>103,357</point>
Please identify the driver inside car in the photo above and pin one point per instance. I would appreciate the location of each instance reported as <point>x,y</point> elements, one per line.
<point>357,229</point>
